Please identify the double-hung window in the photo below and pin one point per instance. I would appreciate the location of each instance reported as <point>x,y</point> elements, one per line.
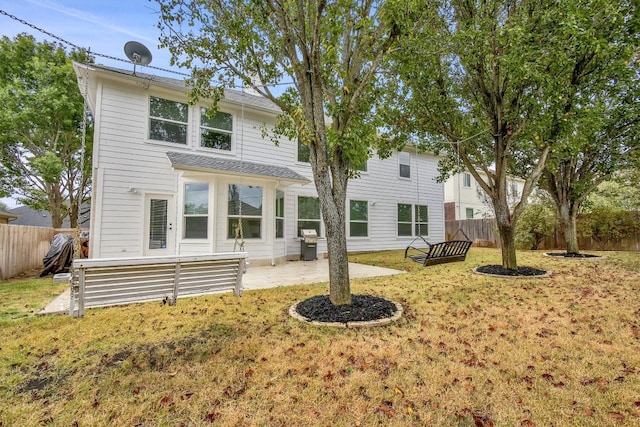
<point>244,210</point>
<point>422,220</point>
<point>216,130</point>
<point>404,161</point>
<point>308,214</point>
<point>466,180</point>
<point>303,152</point>
<point>413,220</point>
<point>358,218</point>
<point>168,120</point>
<point>196,210</point>
<point>279,214</point>
<point>405,219</point>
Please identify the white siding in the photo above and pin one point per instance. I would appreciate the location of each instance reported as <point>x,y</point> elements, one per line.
<point>129,166</point>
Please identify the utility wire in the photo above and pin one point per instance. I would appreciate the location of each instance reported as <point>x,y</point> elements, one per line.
<point>80,48</point>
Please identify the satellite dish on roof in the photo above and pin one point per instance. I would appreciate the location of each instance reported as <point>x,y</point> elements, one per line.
<point>137,53</point>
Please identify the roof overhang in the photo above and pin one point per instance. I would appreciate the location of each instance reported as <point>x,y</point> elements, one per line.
<point>201,163</point>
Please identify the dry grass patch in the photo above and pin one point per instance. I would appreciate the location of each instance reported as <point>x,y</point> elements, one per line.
<point>470,350</point>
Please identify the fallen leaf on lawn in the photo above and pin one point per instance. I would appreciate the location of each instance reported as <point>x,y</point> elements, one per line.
<point>387,410</point>
<point>617,416</point>
<point>166,401</point>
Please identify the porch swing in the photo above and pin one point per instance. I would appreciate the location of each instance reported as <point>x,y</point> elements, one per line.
<point>425,253</point>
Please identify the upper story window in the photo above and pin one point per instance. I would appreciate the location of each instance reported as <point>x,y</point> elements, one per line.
<point>515,193</point>
<point>168,120</point>
<point>216,130</point>
<point>404,160</point>
<point>303,152</point>
<point>466,180</point>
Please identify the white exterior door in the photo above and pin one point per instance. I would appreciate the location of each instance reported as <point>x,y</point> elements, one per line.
<point>160,225</point>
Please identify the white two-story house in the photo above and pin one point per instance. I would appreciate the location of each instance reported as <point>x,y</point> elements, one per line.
<point>465,199</point>
<point>170,179</point>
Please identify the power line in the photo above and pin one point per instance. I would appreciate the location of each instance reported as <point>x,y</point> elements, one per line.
<point>80,48</point>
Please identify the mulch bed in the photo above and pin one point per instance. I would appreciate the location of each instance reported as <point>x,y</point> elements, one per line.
<point>363,308</point>
<point>571,255</point>
<point>501,271</point>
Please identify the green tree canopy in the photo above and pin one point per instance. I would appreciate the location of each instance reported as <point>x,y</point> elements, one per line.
<point>492,85</point>
<point>601,133</point>
<point>41,116</point>
<point>328,51</point>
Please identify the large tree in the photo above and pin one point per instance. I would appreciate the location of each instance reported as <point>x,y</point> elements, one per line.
<point>328,51</point>
<point>602,97</point>
<point>42,160</point>
<point>490,84</point>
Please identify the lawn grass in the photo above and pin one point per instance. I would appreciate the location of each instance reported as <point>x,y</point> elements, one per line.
<point>25,297</point>
<point>470,350</point>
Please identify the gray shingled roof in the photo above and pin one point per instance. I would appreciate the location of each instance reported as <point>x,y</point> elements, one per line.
<point>230,95</point>
<point>234,167</point>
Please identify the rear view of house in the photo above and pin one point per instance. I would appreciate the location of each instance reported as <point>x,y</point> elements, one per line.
<point>170,178</point>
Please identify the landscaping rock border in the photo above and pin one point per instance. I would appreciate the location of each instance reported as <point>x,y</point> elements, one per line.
<point>293,312</point>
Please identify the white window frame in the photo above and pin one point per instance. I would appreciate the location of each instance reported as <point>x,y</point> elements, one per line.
<point>204,127</point>
<point>300,144</point>
<point>186,215</point>
<point>414,220</point>
<point>358,221</point>
<point>279,216</point>
<point>244,216</point>
<point>466,180</point>
<point>404,162</point>
<point>298,219</point>
<point>410,222</point>
<point>163,119</point>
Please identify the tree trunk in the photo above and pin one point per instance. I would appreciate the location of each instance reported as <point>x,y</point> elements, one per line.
<point>567,218</point>
<point>508,245</point>
<point>507,237</point>
<point>339,286</point>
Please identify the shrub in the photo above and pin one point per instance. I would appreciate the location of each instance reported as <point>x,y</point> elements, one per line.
<point>535,223</point>
<point>606,224</point>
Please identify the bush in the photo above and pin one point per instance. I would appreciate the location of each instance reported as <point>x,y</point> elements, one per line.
<point>605,224</point>
<point>535,223</point>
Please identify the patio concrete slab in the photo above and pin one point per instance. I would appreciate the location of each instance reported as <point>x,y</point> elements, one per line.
<point>265,277</point>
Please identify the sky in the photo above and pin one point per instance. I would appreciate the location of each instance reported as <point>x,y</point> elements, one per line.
<point>102,26</point>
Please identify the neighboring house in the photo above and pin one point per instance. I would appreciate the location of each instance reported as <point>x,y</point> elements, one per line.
<point>29,216</point>
<point>5,217</point>
<point>465,199</point>
<point>170,179</point>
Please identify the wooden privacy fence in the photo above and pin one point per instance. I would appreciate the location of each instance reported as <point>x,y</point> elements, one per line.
<point>22,247</point>
<point>482,232</point>
<point>109,281</point>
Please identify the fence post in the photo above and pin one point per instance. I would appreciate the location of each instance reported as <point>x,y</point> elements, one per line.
<point>81,272</point>
<point>176,284</point>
